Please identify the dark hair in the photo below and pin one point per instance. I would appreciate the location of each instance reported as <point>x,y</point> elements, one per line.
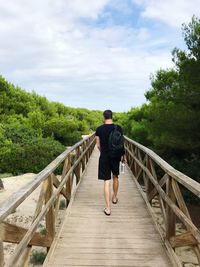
<point>107,114</point>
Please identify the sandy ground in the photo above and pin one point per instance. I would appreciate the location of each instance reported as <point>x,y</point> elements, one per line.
<point>24,214</point>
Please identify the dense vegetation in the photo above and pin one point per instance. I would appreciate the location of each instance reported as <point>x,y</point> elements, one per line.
<point>170,120</point>
<point>35,130</point>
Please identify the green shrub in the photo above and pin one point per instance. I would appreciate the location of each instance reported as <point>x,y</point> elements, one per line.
<point>62,204</point>
<point>32,156</point>
<point>38,257</point>
<point>42,230</point>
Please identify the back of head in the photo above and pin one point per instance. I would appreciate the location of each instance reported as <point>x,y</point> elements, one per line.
<point>107,114</point>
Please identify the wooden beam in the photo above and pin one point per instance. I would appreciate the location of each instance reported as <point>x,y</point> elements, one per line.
<point>56,183</point>
<point>14,234</point>
<point>182,240</point>
<point>50,216</point>
<point>154,192</point>
<point>1,253</point>
<point>180,199</point>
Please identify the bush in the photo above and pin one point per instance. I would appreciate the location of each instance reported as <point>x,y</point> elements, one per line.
<point>42,230</point>
<point>38,257</point>
<point>62,204</point>
<point>32,156</point>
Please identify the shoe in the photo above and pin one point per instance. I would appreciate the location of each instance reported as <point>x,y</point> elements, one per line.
<point>106,213</point>
<point>115,202</point>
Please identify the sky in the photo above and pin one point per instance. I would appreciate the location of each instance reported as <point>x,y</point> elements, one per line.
<point>96,54</point>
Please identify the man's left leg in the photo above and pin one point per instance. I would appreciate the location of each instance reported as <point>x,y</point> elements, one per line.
<point>107,196</point>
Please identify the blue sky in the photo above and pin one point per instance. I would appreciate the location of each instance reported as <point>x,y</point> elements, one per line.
<point>96,54</point>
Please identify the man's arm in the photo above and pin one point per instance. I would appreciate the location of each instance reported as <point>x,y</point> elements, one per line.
<point>98,143</point>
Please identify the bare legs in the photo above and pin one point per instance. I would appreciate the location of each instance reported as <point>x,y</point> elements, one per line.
<point>115,187</point>
<point>107,192</point>
<point>107,195</point>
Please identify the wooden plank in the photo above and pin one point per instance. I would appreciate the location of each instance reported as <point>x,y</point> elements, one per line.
<point>14,234</point>
<point>115,262</point>
<point>56,183</point>
<point>1,253</point>
<point>171,219</point>
<point>179,198</point>
<point>154,192</point>
<point>68,186</point>
<point>182,240</point>
<point>50,215</point>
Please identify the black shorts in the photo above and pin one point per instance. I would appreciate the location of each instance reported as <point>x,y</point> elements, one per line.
<point>107,166</point>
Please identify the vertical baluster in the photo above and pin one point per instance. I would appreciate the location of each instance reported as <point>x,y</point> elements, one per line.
<point>68,186</point>
<point>77,170</point>
<point>171,219</point>
<point>83,159</point>
<point>50,216</point>
<point>149,185</point>
<point>1,254</point>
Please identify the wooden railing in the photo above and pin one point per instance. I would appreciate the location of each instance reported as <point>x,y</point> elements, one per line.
<point>159,181</point>
<point>73,162</point>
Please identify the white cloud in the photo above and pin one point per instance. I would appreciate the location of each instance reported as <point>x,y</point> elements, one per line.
<point>46,47</point>
<point>171,12</point>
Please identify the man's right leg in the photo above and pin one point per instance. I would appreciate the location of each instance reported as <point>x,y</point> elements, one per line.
<point>107,195</point>
<point>115,187</point>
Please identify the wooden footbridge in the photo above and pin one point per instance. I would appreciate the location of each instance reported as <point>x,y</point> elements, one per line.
<point>131,236</point>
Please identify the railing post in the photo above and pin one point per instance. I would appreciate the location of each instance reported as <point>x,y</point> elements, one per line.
<point>149,184</point>
<point>1,254</point>
<point>68,183</point>
<point>83,159</point>
<point>78,169</point>
<point>171,218</point>
<point>50,216</point>
<point>87,153</point>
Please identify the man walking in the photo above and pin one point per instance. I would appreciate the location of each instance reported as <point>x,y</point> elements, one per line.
<point>109,163</point>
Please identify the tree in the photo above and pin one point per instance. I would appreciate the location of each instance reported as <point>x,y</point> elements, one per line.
<point>173,117</point>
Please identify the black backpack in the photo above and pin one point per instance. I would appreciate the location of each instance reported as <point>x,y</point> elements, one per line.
<point>116,143</point>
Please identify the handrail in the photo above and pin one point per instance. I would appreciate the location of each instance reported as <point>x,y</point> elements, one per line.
<point>147,167</point>
<point>75,159</point>
<point>183,179</point>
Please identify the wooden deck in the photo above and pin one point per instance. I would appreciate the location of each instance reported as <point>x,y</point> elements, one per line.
<point>89,238</point>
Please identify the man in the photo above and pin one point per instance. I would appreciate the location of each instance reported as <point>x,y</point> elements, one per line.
<point>108,164</point>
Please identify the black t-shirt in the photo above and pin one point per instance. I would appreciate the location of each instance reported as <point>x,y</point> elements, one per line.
<point>103,132</point>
